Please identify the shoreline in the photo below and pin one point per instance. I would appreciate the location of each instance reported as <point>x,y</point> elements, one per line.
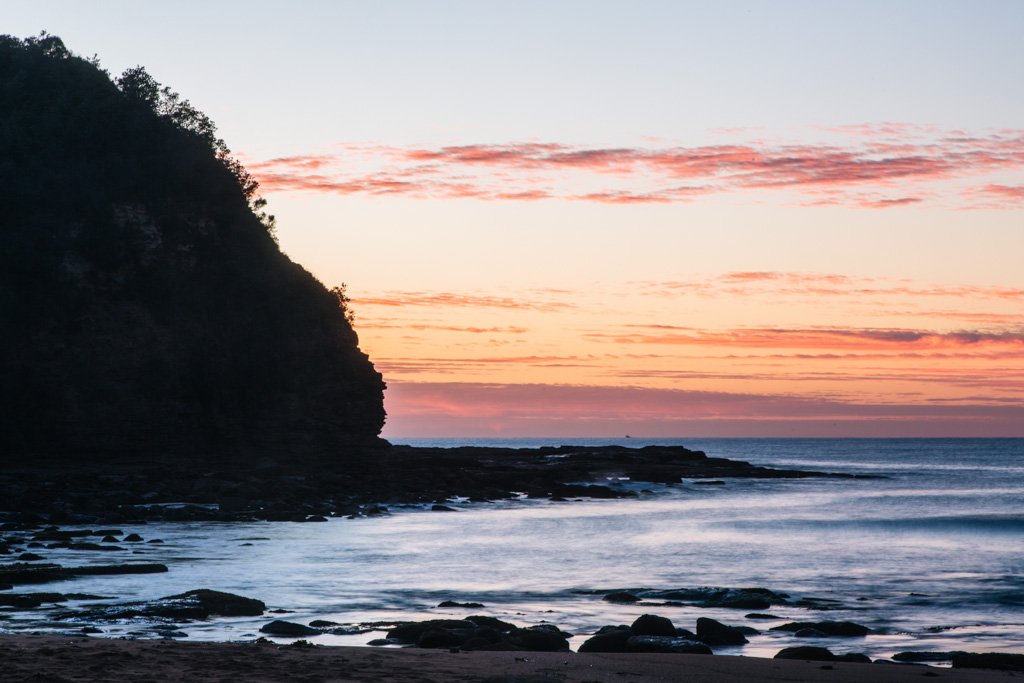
<point>55,659</point>
<point>357,481</point>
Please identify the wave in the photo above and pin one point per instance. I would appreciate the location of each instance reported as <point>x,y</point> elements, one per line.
<point>981,524</point>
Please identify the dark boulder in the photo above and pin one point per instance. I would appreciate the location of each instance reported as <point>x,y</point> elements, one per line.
<point>491,622</point>
<point>539,640</point>
<point>716,633</point>
<point>926,656</point>
<point>856,657</point>
<point>452,603</point>
<point>621,596</point>
<point>43,573</point>
<point>835,629</point>
<point>440,637</point>
<point>653,625</point>
<point>1000,661</point>
<point>197,604</point>
<point>809,633</point>
<point>219,603</point>
<point>666,644</point>
<point>812,654</point>
<point>410,632</point>
<point>611,639</point>
<point>288,629</point>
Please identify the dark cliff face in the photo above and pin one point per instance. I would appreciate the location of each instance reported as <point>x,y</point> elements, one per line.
<point>144,305</point>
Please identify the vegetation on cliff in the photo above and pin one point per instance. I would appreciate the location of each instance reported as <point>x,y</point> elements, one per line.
<point>144,303</point>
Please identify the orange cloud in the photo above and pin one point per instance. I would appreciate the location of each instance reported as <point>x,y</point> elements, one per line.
<point>433,299</point>
<point>421,327</point>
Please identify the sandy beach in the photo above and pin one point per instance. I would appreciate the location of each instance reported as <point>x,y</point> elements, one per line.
<point>55,659</point>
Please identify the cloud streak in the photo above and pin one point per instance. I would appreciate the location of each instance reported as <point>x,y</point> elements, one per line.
<point>870,167</point>
<point>818,338</point>
<point>452,299</point>
<point>783,283</point>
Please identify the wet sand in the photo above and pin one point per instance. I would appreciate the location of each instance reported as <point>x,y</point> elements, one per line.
<point>56,660</point>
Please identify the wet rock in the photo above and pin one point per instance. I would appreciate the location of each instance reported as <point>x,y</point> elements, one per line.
<point>756,615</point>
<point>540,639</point>
<point>589,491</point>
<point>709,482</point>
<point>835,629</point>
<point>856,657</point>
<point>812,654</point>
<point>323,623</point>
<point>55,534</point>
<point>43,573</point>
<point>622,597</point>
<point>608,639</point>
<point>109,539</point>
<point>288,629</point>
<point>1000,661</point>
<point>410,632</point>
<point>92,547</point>
<point>437,637</point>
<point>442,508</point>
<point>716,633</point>
<point>653,625</point>
<point>220,603</point>
<point>25,601</point>
<point>809,633</point>
<point>927,656</point>
<point>87,630</point>
<point>452,603</point>
<point>196,604</point>
<point>492,623</point>
<point>29,557</point>
<point>730,598</point>
<point>133,538</point>
<point>381,642</point>
<point>666,644</point>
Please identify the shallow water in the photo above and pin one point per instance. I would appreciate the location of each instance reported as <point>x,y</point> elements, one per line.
<point>929,557</point>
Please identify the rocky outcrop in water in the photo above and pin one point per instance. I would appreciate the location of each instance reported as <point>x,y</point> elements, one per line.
<point>194,487</point>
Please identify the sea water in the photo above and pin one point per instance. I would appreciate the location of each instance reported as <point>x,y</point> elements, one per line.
<point>929,555</point>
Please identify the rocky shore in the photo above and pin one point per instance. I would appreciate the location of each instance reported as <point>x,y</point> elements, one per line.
<point>63,660</point>
<point>365,481</point>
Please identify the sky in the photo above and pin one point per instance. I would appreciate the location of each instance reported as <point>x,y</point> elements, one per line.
<point>661,219</point>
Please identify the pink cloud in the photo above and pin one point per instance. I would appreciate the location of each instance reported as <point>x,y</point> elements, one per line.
<point>784,283</point>
<point>877,158</point>
<point>817,338</point>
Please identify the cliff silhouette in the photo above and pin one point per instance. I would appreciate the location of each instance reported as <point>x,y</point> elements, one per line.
<point>145,306</point>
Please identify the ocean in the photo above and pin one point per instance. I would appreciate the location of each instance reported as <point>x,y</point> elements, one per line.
<point>929,555</point>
